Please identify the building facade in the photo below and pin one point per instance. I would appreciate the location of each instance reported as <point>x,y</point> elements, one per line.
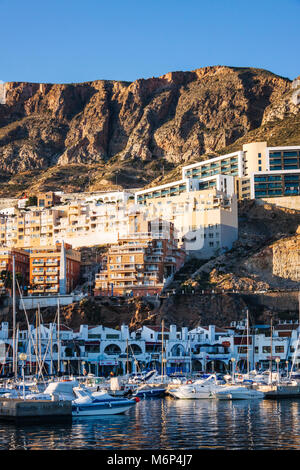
<point>101,350</point>
<point>53,269</point>
<point>141,262</point>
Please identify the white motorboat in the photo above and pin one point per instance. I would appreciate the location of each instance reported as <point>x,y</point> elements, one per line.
<point>236,392</point>
<point>56,390</point>
<point>200,389</point>
<point>99,403</point>
<point>151,390</point>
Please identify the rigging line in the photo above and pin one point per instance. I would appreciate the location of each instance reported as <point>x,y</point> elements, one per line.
<point>28,324</point>
<point>42,365</point>
<point>135,360</point>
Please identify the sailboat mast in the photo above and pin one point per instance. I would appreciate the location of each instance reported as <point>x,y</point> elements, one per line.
<point>248,342</point>
<point>51,351</point>
<point>127,357</point>
<point>39,329</point>
<point>16,353</point>
<point>58,337</point>
<point>36,342</point>
<point>162,346</point>
<point>29,348</point>
<point>271,360</point>
<point>14,314</point>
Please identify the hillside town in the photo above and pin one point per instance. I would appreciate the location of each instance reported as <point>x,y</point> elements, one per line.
<point>63,247</point>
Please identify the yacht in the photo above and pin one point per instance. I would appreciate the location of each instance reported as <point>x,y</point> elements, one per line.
<point>99,403</point>
<point>199,389</point>
<point>236,392</point>
<point>84,401</point>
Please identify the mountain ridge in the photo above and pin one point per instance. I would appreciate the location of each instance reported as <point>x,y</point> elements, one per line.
<point>114,134</point>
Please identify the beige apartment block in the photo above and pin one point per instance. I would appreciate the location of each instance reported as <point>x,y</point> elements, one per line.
<point>255,157</point>
<point>36,227</point>
<point>93,224</point>
<point>139,263</point>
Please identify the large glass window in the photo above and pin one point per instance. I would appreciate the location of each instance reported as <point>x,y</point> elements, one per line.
<point>290,154</point>
<point>275,154</point>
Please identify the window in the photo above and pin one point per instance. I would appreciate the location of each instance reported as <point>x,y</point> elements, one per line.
<point>279,349</point>
<point>266,349</point>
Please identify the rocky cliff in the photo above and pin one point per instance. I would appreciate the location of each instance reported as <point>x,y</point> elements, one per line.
<point>109,133</point>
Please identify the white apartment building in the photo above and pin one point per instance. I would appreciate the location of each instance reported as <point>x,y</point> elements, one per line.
<point>206,221</point>
<point>100,350</point>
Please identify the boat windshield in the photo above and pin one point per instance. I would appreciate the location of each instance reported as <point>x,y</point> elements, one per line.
<point>82,392</point>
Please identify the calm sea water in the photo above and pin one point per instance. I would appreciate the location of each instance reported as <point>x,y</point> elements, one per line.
<point>170,424</point>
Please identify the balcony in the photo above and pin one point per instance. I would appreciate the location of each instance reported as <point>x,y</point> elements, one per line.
<point>122,267</point>
<point>51,289</point>
<point>51,279</point>
<point>38,271</point>
<point>38,290</point>
<point>51,271</point>
<point>53,262</point>
<point>123,277</point>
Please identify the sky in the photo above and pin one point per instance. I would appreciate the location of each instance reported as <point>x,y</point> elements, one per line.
<point>71,41</point>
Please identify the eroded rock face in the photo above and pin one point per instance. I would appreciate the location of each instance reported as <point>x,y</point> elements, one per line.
<point>176,117</point>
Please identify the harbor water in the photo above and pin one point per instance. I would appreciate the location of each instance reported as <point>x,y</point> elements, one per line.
<point>169,424</point>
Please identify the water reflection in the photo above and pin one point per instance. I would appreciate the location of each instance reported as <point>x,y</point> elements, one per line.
<point>170,424</point>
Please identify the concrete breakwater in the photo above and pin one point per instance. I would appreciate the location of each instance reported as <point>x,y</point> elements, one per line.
<point>19,410</point>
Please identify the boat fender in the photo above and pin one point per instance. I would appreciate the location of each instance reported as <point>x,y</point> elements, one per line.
<point>189,382</point>
<point>137,399</point>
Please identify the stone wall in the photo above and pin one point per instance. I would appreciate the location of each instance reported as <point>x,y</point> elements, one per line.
<point>288,202</point>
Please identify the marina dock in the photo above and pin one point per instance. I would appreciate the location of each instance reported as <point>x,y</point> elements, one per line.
<point>19,410</point>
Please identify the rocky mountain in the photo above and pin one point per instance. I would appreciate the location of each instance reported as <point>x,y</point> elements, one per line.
<point>107,134</point>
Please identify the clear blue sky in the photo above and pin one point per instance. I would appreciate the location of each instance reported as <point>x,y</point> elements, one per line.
<point>63,41</point>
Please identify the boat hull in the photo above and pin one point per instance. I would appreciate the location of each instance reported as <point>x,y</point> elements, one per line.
<point>190,396</point>
<point>100,409</point>
<point>237,395</point>
<point>150,393</point>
